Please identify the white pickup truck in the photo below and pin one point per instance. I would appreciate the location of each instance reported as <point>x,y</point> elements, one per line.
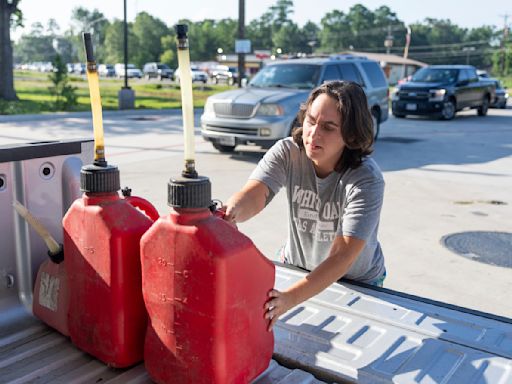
<point>349,333</point>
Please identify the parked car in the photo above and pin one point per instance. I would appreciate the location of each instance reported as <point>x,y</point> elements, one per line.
<point>197,75</point>
<point>106,70</point>
<point>500,101</point>
<point>133,71</point>
<point>223,73</point>
<point>442,90</point>
<point>79,68</point>
<point>157,70</point>
<point>266,110</point>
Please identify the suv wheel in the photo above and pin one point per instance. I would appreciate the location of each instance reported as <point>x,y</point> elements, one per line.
<point>448,111</point>
<point>376,124</point>
<point>482,110</point>
<point>224,148</point>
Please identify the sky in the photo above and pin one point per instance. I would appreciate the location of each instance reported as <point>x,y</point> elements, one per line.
<point>170,11</point>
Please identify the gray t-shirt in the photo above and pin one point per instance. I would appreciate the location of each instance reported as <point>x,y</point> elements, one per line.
<point>346,204</point>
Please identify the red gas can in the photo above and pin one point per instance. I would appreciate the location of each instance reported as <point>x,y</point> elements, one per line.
<point>102,232</point>
<point>205,285</point>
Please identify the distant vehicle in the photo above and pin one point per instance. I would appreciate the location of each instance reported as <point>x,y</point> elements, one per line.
<point>46,67</point>
<point>106,70</point>
<point>500,101</point>
<point>482,73</point>
<point>133,71</point>
<point>442,90</point>
<point>157,70</point>
<point>196,73</point>
<point>79,68</point>
<point>223,73</point>
<point>266,110</point>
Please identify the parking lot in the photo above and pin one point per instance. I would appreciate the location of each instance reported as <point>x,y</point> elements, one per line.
<point>442,178</point>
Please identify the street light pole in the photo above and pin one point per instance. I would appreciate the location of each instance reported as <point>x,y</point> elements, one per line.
<point>125,48</point>
<point>126,95</point>
<point>241,34</point>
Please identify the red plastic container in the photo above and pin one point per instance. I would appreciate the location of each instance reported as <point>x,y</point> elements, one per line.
<point>205,285</point>
<point>107,317</point>
<point>51,296</point>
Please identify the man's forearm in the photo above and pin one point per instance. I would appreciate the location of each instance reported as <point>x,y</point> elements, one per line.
<point>247,202</point>
<point>343,254</point>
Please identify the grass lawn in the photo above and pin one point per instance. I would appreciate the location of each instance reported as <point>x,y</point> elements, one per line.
<point>34,97</point>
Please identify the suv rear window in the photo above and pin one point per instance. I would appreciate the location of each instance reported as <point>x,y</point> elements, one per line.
<point>287,76</point>
<point>351,73</point>
<point>375,74</point>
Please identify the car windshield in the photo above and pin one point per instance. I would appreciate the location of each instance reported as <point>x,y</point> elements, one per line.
<point>436,75</point>
<point>287,75</point>
<point>163,66</point>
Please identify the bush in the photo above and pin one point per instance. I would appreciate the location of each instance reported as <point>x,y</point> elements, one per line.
<point>65,94</point>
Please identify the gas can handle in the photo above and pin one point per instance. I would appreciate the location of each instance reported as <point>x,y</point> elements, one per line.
<point>138,202</point>
<point>216,209</point>
<point>144,205</point>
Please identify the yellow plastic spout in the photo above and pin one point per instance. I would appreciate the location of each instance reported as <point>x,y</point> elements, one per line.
<point>185,75</point>
<point>94,91</point>
<point>40,229</point>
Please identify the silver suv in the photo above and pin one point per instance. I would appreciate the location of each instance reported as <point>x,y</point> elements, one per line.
<point>266,110</point>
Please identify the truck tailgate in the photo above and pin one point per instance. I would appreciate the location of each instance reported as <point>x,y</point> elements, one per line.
<point>364,334</point>
<point>348,333</point>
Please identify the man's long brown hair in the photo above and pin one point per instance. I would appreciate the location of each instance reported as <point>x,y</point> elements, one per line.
<point>356,121</point>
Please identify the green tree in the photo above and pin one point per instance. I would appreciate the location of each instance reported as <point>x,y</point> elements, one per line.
<point>438,42</point>
<point>481,39</point>
<point>226,33</point>
<point>310,37</point>
<point>203,42</point>
<point>114,43</point>
<point>262,31</point>
<point>361,23</point>
<point>65,94</point>
<point>169,47</point>
<point>288,37</point>
<point>35,46</point>
<point>94,22</point>
<point>336,34</point>
<point>149,31</point>
<point>10,15</point>
<point>259,31</point>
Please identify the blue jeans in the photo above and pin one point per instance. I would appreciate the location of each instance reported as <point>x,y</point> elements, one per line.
<point>379,282</point>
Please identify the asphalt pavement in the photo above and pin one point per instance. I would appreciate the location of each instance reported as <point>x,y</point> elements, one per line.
<point>442,178</point>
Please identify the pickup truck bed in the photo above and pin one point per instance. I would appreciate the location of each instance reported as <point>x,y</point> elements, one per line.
<point>348,333</point>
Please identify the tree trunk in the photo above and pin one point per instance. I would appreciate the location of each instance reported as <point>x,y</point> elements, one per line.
<point>7,91</point>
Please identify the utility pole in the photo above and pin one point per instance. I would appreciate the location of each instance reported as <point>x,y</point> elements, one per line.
<point>241,34</point>
<point>503,41</point>
<point>388,42</point>
<point>406,50</point>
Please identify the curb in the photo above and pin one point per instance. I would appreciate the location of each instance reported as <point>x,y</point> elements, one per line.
<point>88,114</point>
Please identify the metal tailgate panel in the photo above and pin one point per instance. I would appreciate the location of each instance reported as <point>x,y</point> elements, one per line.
<point>369,336</point>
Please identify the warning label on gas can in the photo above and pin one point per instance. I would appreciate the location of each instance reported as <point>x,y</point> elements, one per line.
<point>49,291</point>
